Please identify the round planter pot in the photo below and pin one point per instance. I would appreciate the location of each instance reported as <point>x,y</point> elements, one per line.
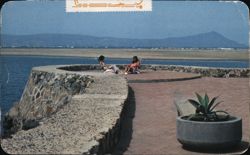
<point>198,134</point>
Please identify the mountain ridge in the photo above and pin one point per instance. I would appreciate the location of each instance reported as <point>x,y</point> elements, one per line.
<point>203,40</point>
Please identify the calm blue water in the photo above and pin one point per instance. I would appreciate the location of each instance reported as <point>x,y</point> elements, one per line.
<point>14,70</point>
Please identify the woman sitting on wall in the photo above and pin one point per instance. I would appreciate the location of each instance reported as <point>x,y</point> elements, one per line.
<point>133,68</point>
<point>107,68</point>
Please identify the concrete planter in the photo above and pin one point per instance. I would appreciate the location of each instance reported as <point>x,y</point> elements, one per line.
<point>205,135</point>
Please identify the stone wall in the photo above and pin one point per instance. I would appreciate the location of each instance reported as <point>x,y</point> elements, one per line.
<point>81,67</point>
<point>67,112</point>
<point>204,71</point>
<point>45,93</point>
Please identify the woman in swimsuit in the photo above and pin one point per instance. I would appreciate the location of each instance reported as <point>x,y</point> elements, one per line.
<point>133,67</point>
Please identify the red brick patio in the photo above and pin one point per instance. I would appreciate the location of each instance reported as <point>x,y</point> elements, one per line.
<point>154,127</point>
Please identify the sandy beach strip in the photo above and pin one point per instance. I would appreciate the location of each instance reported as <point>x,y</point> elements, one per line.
<point>128,53</point>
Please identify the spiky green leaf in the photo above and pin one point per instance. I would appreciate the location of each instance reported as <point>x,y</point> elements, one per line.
<point>226,116</point>
<point>212,102</point>
<point>194,103</point>
<point>206,101</point>
<point>215,105</point>
<point>200,99</point>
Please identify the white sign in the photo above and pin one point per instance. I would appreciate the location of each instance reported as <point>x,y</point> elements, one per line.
<point>108,5</point>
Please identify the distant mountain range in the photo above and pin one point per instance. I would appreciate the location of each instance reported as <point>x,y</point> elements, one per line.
<point>203,40</point>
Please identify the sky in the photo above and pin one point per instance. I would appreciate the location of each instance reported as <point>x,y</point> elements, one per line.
<point>167,19</point>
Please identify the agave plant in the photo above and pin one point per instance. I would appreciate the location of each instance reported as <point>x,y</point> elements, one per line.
<point>205,109</point>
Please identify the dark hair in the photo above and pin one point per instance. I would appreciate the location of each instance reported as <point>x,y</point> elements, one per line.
<point>101,58</point>
<point>135,59</point>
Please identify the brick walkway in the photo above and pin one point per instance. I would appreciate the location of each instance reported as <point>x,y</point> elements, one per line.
<point>153,126</point>
<point>159,76</point>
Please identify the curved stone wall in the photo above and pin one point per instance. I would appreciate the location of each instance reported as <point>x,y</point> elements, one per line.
<point>204,71</point>
<point>66,112</point>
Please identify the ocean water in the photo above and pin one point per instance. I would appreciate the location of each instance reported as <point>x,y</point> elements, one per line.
<point>15,70</point>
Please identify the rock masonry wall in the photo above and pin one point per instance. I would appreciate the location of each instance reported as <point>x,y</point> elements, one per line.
<point>204,71</point>
<point>45,93</point>
<point>65,112</point>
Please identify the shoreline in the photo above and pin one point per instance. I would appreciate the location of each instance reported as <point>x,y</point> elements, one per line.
<point>160,54</point>
<point>160,59</point>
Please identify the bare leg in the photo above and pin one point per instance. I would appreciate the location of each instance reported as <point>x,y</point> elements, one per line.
<point>127,68</point>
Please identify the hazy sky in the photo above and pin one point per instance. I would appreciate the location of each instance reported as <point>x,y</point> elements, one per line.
<point>168,19</point>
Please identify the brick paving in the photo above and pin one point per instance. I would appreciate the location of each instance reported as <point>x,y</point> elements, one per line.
<point>152,76</point>
<point>154,126</point>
